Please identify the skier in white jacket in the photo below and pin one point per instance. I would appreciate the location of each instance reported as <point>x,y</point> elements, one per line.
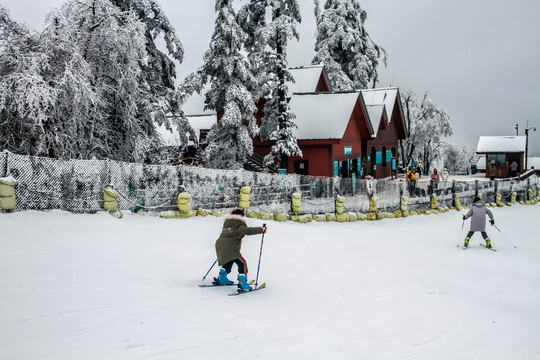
<point>478,213</point>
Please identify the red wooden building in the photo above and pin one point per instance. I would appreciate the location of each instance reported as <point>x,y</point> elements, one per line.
<point>347,134</point>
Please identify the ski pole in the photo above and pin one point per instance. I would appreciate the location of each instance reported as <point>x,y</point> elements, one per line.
<point>211,267</point>
<point>260,255</point>
<point>460,233</point>
<point>507,239</point>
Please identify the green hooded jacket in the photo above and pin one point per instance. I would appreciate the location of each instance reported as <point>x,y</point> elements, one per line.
<point>230,241</point>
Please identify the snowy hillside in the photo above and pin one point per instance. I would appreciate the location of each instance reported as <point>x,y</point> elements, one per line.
<point>80,286</point>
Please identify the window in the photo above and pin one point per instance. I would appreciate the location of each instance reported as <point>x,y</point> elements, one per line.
<point>499,160</point>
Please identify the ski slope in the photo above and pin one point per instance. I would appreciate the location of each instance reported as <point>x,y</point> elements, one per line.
<point>90,286</point>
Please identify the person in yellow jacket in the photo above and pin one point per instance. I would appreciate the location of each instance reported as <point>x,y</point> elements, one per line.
<point>411,179</point>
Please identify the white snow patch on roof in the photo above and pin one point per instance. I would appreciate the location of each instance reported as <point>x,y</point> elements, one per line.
<point>198,123</point>
<point>500,144</point>
<point>305,78</point>
<point>376,112</point>
<point>386,96</point>
<point>322,115</point>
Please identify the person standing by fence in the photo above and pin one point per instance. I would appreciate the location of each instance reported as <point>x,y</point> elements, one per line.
<point>411,178</point>
<point>435,179</point>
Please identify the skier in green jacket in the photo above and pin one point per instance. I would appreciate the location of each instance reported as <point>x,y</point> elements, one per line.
<point>228,248</point>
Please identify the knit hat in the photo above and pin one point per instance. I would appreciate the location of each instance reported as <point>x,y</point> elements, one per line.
<point>238,212</point>
<point>476,198</point>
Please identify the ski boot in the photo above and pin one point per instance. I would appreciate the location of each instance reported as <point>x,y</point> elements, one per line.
<point>488,243</point>
<point>222,278</point>
<point>243,284</point>
<point>466,242</point>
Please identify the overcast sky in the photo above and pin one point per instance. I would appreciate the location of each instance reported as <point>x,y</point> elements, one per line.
<point>478,59</point>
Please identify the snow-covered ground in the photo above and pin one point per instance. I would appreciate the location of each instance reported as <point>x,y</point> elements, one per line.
<point>81,286</point>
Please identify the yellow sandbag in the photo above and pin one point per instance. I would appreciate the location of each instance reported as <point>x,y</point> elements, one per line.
<point>296,202</point>
<point>340,200</point>
<point>457,203</point>
<point>342,217</point>
<point>281,217</point>
<point>352,217</point>
<point>361,216</point>
<point>330,217</point>
<point>513,197</point>
<point>373,204</point>
<point>7,190</point>
<point>319,218</point>
<point>201,212</point>
<point>183,203</point>
<point>434,200</point>
<point>244,197</point>
<point>7,202</point>
<point>403,202</point>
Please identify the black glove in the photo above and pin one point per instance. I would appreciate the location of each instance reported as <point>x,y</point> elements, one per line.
<point>492,221</point>
<point>464,218</point>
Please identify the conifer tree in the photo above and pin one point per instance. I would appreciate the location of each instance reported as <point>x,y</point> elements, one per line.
<point>344,46</point>
<point>159,70</point>
<point>267,46</point>
<point>226,70</point>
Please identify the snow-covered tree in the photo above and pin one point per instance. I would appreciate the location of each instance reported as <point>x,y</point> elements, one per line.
<point>86,86</point>
<point>267,45</point>
<point>426,125</point>
<point>226,69</point>
<point>25,95</point>
<point>458,157</point>
<point>344,46</point>
<point>158,74</point>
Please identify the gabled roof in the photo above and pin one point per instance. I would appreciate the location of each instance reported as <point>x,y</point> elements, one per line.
<point>500,144</point>
<point>389,97</point>
<point>306,79</point>
<point>377,114</point>
<point>322,115</point>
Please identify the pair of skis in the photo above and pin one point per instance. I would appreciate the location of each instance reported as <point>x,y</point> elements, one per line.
<point>483,245</point>
<point>262,286</point>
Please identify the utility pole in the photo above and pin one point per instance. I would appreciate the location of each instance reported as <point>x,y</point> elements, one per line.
<point>527,142</point>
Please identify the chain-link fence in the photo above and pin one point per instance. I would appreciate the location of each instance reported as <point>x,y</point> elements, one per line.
<point>77,186</point>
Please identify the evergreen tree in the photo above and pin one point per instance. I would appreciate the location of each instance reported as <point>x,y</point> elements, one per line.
<point>226,69</point>
<point>158,70</point>
<point>267,45</point>
<point>344,46</point>
<point>426,124</point>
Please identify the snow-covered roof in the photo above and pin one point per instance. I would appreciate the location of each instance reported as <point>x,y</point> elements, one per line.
<point>322,115</point>
<point>385,96</point>
<point>501,144</point>
<point>305,78</point>
<point>198,123</point>
<point>376,114</point>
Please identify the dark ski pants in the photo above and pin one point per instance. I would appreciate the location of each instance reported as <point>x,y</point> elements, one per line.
<point>240,262</point>
<point>470,234</point>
